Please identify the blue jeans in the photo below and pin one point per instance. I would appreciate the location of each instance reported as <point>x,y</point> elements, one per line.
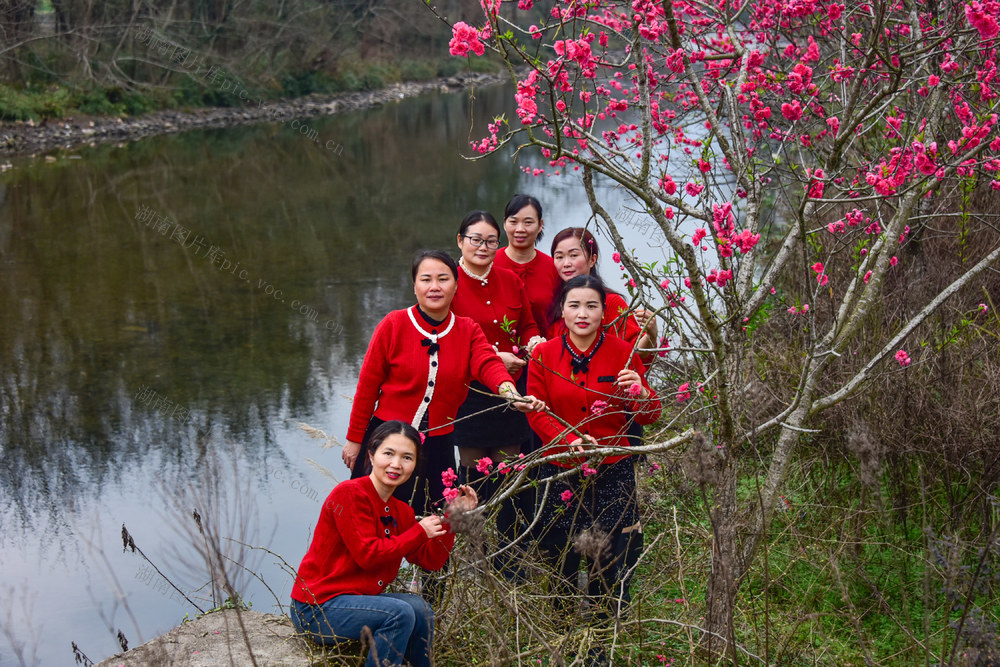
<point>402,625</point>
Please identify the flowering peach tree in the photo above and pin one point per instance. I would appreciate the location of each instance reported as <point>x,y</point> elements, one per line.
<point>794,154</point>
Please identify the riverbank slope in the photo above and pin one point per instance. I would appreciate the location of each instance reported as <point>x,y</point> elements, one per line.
<point>28,138</point>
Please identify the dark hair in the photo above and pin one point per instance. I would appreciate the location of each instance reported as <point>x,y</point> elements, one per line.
<point>517,202</point>
<point>478,216</point>
<point>392,427</point>
<point>439,255</point>
<point>587,242</point>
<point>584,282</point>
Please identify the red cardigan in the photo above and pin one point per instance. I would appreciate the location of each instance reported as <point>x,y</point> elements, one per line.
<point>626,328</point>
<point>400,380</point>
<point>571,396</point>
<point>501,297</point>
<point>355,552</point>
<point>541,281</point>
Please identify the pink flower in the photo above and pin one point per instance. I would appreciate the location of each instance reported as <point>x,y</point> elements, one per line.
<point>483,465</point>
<point>818,267</point>
<point>451,494</point>
<point>791,111</point>
<point>465,38</point>
<point>616,257</point>
<point>448,478</point>
<point>422,438</point>
<point>598,407</point>
<point>503,468</point>
<point>978,17</point>
<point>693,189</point>
<point>683,392</point>
<point>635,390</point>
<point>654,468</point>
<point>566,496</point>
<point>668,184</point>
<point>893,261</point>
<point>867,277</point>
<point>933,80</point>
<point>588,471</point>
<point>903,358</point>
<point>983,308</point>
<point>699,234</point>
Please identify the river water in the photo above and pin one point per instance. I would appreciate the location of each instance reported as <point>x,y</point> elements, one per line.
<point>171,310</point>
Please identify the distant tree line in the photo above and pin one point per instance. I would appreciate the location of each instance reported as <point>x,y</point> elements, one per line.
<point>127,56</point>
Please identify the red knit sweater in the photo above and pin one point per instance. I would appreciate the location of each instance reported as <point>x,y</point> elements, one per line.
<point>626,327</point>
<point>540,278</point>
<point>571,395</point>
<point>400,380</point>
<point>355,552</point>
<point>501,298</point>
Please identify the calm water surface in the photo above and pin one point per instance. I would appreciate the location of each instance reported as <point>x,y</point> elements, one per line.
<point>151,367</point>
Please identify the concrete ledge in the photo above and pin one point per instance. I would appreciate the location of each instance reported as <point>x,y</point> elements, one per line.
<point>216,640</point>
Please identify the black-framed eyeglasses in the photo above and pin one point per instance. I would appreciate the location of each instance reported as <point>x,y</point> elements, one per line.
<point>478,241</point>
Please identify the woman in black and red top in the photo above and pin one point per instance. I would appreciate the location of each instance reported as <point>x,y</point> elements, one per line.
<point>485,432</point>
<point>417,369</point>
<point>361,538</point>
<point>595,381</point>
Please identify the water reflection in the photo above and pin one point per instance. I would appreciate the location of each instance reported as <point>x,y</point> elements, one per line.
<point>132,356</point>
<point>128,353</point>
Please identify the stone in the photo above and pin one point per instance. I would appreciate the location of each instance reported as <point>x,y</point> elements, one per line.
<point>216,640</point>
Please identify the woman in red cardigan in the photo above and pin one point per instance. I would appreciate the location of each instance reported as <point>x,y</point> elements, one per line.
<point>361,538</point>
<point>419,364</point>
<point>575,253</point>
<point>593,380</point>
<point>522,220</point>
<point>494,297</point>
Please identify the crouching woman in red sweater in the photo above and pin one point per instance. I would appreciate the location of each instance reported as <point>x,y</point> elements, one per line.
<point>362,535</point>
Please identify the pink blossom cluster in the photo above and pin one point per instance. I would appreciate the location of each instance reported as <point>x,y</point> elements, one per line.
<point>903,358</point>
<point>723,221</point>
<point>448,478</point>
<point>465,38</point>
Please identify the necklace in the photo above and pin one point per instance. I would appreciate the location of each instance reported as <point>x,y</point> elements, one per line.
<point>483,278</point>
<point>581,362</point>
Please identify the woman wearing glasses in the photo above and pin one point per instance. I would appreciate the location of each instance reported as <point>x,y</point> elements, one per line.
<point>417,369</point>
<point>495,299</point>
<point>360,540</point>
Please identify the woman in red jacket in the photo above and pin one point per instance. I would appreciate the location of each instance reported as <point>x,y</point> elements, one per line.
<point>361,538</point>
<point>494,297</point>
<point>522,220</point>
<point>593,380</point>
<point>575,253</point>
<point>419,364</point>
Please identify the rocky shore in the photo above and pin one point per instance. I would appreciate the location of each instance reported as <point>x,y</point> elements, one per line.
<point>28,138</point>
<point>222,638</point>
